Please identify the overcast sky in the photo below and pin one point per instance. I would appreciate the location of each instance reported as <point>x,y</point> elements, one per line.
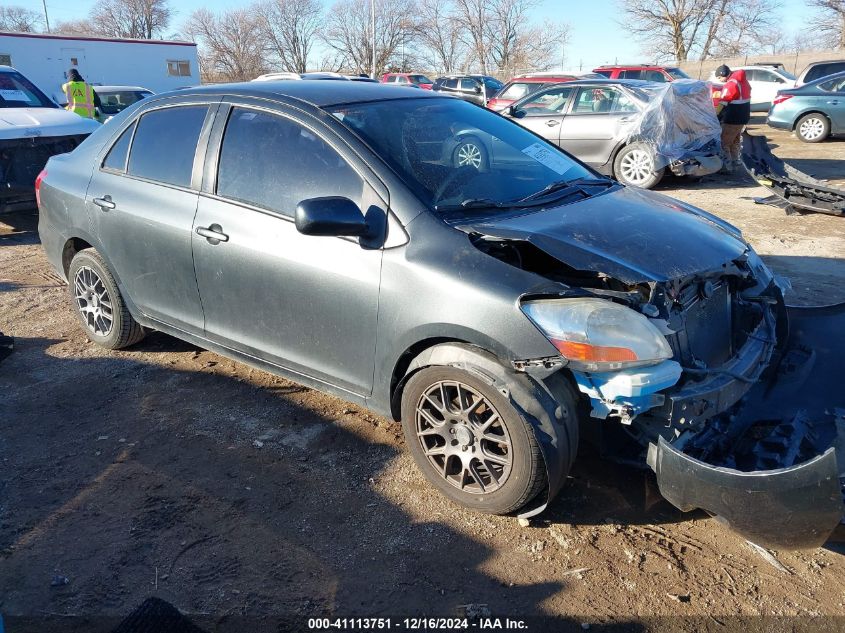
<point>595,35</point>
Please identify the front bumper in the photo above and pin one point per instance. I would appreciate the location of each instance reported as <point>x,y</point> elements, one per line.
<point>696,166</point>
<point>771,470</point>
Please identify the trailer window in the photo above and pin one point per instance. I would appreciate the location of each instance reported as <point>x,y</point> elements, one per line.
<point>178,68</point>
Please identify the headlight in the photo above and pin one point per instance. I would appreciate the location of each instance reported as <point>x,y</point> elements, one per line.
<point>598,335</point>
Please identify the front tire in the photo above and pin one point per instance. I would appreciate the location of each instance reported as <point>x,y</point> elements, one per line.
<point>634,165</point>
<point>812,128</point>
<point>470,442</point>
<point>99,306</point>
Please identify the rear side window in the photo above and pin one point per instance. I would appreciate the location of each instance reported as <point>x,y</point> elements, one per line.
<point>116,158</point>
<point>822,70</point>
<point>275,163</point>
<point>654,75</point>
<point>631,74</point>
<point>606,73</point>
<point>165,144</point>
<point>834,85</point>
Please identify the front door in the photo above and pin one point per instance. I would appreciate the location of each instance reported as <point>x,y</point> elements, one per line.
<point>142,210</point>
<point>596,122</point>
<point>307,303</point>
<point>544,112</point>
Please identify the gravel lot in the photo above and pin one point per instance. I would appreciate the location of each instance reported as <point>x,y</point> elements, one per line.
<point>170,471</point>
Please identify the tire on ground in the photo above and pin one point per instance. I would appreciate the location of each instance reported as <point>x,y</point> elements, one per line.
<point>812,128</point>
<point>125,331</point>
<point>630,153</point>
<point>528,472</point>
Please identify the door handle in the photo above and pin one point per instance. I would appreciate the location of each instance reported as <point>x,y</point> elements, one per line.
<point>105,203</point>
<point>832,102</point>
<point>552,123</point>
<point>214,233</point>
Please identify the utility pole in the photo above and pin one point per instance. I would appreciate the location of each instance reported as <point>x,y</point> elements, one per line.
<point>373,23</point>
<point>46,19</point>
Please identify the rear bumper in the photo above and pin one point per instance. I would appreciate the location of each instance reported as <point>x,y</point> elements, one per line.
<point>778,123</point>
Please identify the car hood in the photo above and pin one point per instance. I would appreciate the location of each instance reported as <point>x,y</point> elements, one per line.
<point>36,122</point>
<point>627,233</point>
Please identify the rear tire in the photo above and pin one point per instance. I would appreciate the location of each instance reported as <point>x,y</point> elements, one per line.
<point>634,166</point>
<point>98,304</point>
<point>484,457</point>
<point>812,128</point>
<point>470,153</point>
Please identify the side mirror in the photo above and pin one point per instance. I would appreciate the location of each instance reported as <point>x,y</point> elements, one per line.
<point>514,112</point>
<point>477,90</point>
<point>330,216</point>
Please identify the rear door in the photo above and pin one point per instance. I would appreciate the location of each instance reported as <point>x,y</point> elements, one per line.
<point>834,103</point>
<point>596,122</point>
<point>307,303</point>
<point>142,199</point>
<point>544,111</point>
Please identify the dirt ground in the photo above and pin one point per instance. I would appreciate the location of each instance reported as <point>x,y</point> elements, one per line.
<point>169,471</point>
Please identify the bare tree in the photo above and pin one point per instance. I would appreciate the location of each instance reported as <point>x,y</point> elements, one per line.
<point>231,45</point>
<point>140,19</point>
<point>514,43</point>
<point>290,28</point>
<point>832,24</point>
<point>439,35</point>
<point>76,27</point>
<point>681,29</point>
<point>473,17</point>
<point>20,19</point>
<point>349,32</point>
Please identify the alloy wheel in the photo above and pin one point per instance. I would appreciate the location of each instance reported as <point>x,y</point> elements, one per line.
<point>637,166</point>
<point>464,437</point>
<point>811,129</point>
<point>469,155</point>
<point>93,301</point>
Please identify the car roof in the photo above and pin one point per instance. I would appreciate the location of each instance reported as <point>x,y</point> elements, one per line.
<point>316,92</point>
<point>108,88</point>
<point>614,66</point>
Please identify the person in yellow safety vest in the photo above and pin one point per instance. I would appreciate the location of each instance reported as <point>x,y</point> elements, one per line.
<point>80,97</point>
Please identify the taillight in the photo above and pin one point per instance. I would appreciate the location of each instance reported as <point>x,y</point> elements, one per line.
<point>38,180</point>
<point>781,99</point>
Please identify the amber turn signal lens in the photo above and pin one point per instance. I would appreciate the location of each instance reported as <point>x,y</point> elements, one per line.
<point>593,353</point>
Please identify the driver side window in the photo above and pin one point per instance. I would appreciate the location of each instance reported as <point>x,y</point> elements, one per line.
<point>552,101</point>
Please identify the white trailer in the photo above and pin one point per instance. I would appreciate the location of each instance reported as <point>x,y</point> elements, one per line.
<point>154,64</point>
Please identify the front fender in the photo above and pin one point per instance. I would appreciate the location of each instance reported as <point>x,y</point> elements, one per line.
<point>536,401</point>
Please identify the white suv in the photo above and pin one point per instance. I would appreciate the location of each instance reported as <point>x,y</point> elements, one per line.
<point>32,129</point>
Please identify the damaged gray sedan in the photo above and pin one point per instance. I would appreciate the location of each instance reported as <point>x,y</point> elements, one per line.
<point>314,230</point>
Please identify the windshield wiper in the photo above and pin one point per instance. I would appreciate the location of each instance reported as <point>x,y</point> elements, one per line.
<point>473,203</point>
<point>559,185</point>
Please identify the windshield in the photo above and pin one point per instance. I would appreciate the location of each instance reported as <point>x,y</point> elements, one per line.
<point>516,91</point>
<point>114,101</point>
<point>677,73</point>
<point>786,74</point>
<point>420,79</point>
<point>16,91</point>
<point>453,153</point>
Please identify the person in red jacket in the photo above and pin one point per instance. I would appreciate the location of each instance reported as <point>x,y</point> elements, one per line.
<point>734,112</point>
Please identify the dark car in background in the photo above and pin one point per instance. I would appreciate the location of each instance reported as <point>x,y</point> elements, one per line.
<point>495,312</point>
<point>817,70</point>
<point>475,88</point>
<point>643,72</point>
<point>814,111</point>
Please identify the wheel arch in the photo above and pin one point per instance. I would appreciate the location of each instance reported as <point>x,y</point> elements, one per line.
<point>540,401</point>
<point>798,117</point>
<point>70,249</point>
